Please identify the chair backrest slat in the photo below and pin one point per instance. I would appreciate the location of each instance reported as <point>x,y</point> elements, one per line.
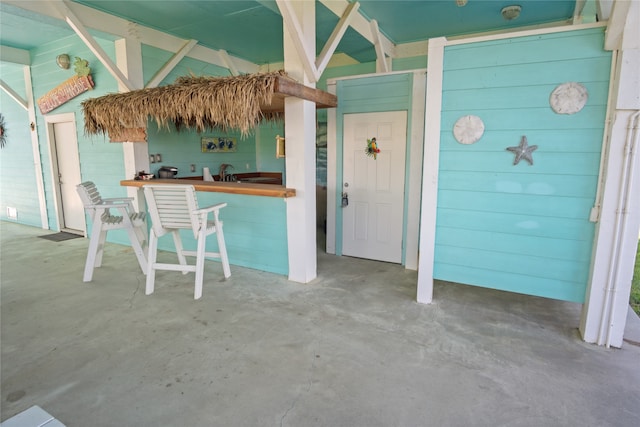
<point>171,206</point>
<point>89,195</point>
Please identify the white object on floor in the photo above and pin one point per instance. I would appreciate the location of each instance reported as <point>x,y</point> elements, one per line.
<point>100,211</point>
<point>32,417</point>
<point>174,207</point>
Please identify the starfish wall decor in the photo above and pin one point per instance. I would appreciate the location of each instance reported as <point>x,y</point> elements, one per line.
<point>523,151</point>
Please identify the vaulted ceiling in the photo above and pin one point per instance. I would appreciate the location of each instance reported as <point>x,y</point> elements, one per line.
<point>252,29</point>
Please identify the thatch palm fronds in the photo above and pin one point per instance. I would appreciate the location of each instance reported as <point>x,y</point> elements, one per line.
<point>199,103</point>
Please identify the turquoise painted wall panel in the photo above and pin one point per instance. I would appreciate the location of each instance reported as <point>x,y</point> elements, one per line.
<point>528,97</point>
<point>523,75</point>
<point>370,94</point>
<point>504,203</point>
<point>518,283</point>
<point>255,231</point>
<point>496,242</point>
<point>520,224</point>
<point>502,161</point>
<point>266,150</point>
<point>506,182</point>
<point>413,63</point>
<point>570,140</point>
<point>523,228</point>
<point>17,175</point>
<point>563,46</point>
<point>541,267</point>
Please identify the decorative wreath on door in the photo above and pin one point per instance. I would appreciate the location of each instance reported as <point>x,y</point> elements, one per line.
<point>372,148</point>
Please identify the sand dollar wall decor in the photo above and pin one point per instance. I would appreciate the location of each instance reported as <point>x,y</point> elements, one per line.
<point>468,129</point>
<point>568,98</point>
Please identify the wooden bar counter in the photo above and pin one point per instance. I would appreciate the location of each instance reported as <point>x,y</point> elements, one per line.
<point>249,189</point>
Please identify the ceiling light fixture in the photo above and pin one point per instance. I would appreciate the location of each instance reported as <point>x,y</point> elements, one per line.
<point>461,3</point>
<point>510,13</point>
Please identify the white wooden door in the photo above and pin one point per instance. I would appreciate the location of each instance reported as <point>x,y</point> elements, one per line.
<point>373,219</point>
<point>70,208</point>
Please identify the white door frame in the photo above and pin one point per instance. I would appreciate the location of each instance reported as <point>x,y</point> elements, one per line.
<point>413,178</point>
<point>50,121</point>
<point>361,180</point>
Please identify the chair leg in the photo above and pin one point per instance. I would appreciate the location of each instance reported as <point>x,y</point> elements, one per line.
<point>92,252</point>
<point>222,248</point>
<point>137,249</point>
<point>200,252</point>
<point>177,241</point>
<point>100,250</point>
<point>151,272</point>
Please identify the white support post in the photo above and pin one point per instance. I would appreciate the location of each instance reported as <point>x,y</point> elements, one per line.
<point>360,24</point>
<point>332,172</point>
<point>381,60</point>
<point>136,154</point>
<point>297,33</point>
<point>604,313</point>
<point>337,34</point>
<point>431,158</point>
<point>300,131</point>
<point>224,55</point>
<point>35,145</point>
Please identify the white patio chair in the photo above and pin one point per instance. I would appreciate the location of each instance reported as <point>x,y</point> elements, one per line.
<point>174,207</point>
<point>99,210</point>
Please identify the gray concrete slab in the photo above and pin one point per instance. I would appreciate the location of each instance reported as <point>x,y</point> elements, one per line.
<point>352,348</point>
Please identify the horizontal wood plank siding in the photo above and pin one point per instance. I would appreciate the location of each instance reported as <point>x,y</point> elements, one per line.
<point>521,228</point>
<point>255,231</point>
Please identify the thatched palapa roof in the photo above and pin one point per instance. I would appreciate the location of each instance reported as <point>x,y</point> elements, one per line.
<point>200,103</point>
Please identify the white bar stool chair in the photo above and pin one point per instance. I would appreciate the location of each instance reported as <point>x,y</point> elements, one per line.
<point>173,207</point>
<point>99,210</point>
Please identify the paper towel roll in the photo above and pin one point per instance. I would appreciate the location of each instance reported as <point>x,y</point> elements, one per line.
<point>206,174</point>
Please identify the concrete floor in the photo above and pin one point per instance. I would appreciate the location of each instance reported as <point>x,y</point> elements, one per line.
<point>352,348</point>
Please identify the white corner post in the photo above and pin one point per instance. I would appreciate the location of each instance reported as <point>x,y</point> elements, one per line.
<point>300,134</point>
<point>136,154</point>
<point>431,155</point>
<point>604,313</point>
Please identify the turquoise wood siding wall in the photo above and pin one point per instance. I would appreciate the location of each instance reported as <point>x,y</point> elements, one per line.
<point>521,228</point>
<point>366,95</point>
<point>17,176</point>
<point>255,231</point>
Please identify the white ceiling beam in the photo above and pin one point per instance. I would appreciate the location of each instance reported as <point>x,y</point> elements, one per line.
<point>292,25</point>
<point>226,58</point>
<point>13,94</point>
<point>91,43</point>
<point>381,61</point>
<point>577,11</point>
<point>171,64</point>
<point>360,24</point>
<point>616,25</point>
<point>16,56</point>
<point>603,9</point>
<point>121,28</point>
<point>337,34</point>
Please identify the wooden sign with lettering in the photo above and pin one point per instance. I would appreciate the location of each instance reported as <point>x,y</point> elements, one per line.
<point>64,92</point>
